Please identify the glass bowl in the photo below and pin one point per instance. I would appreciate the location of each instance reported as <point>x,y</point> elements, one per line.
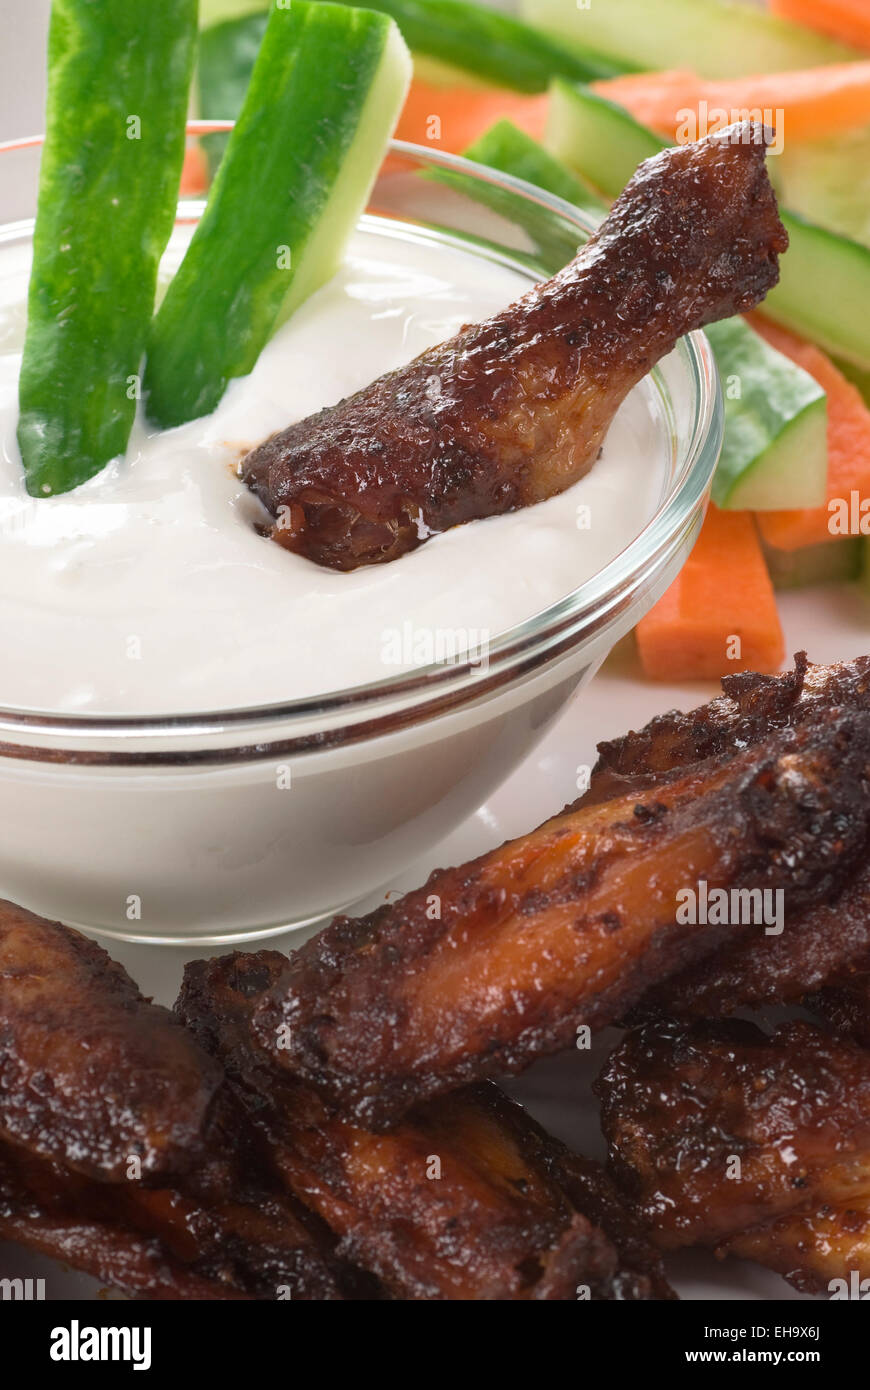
<point>175,829</point>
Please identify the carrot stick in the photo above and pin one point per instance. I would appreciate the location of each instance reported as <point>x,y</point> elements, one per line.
<point>720,614</point>
<point>815,101</point>
<point>452,118</point>
<point>194,172</point>
<point>844,19</point>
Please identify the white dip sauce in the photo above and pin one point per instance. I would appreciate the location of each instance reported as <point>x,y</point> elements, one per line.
<point>148,590</point>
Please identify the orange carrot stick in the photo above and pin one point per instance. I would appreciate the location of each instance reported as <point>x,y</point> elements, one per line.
<point>452,118</point>
<point>194,172</point>
<point>815,101</point>
<point>843,19</point>
<point>720,613</point>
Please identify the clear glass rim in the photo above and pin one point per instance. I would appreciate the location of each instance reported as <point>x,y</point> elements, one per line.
<point>427,691</point>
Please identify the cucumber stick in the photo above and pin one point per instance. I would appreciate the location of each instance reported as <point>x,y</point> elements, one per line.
<point>507,148</point>
<point>828,181</point>
<point>462,36</point>
<point>775,453</point>
<point>824,288</point>
<point>119,76</point>
<point>327,88</point>
<point>598,138</point>
<point>495,47</point>
<point>717,38</point>
<point>831,562</point>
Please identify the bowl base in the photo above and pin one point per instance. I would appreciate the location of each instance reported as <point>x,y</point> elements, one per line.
<point>230,938</point>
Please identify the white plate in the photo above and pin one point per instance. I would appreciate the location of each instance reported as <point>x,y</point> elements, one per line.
<point>831,623</point>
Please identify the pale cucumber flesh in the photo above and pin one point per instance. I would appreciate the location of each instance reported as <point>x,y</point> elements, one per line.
<point>717,38</point>
<point>323,251</point>
<point>597,138</point>
<point>775,454</point>
<point>216,11</point>
<point>824,290</point>
<point>828,181</point>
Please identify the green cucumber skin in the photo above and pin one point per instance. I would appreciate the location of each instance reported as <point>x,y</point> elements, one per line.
<point>831,562</point>
<point>824,290</point>
<point>781,407</point>
<point>824,287</point>
<point>227,53</point>
<point>716,38</point>
<point>472,38</point>
<point>507,148</point>
<point>493,46</point>
<point>230,290</point>
<point>105,213</point>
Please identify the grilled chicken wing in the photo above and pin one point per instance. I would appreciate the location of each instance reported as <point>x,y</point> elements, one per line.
<point>823,1250</point>
<point>465,1199</point>
<point>256,1238</point>
<point>91,1073</point>
<point>775,969</point>
<point>844,1002</point>
<point>121,1152</point>
<point>751,707</point>
<point>164,1243</point>
<point>515,409</point>
<point>62,1216</point>
<point>758,1146</point>
<point>497,962</point>
<point>815,942</point>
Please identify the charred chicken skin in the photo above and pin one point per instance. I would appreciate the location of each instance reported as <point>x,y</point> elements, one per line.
<point>287,1199</point>
<point>250,1182</point>
<point>92,1074</point>
<point>514,410</point>
<point>758,1146</point>
<point>63,1217</point>
<point>119,1149</point>
<point>467,1198</point>
<point>844,1002</point>
<point>816,941</point>
<point>166,1243</point>
<point>500,961</point>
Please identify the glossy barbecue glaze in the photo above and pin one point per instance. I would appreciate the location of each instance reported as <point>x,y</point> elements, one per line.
<point>506,1216</point>
<point>759,1146</point>
<point>815,941</point>
<point>515,409</point>
<point>492,964</point>
<point>91,1073</point>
